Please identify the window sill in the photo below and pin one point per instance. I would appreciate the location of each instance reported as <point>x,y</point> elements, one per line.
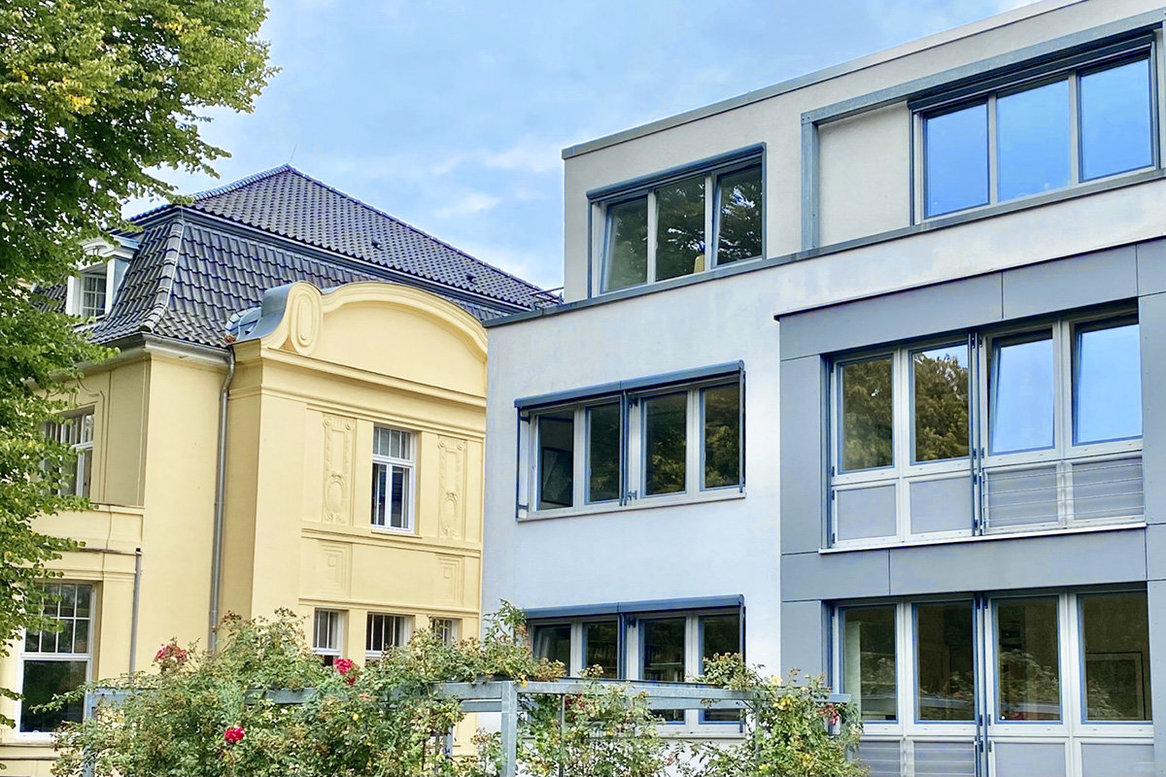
<point>392,532</point>
<point>922,543</point>
<point>645,503</point>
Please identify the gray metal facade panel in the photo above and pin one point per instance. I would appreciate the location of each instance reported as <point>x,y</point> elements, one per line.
<point>801,475</point>
<point>903,315</point>
<point>1156,551</point>
<point>803,637</point>
<point>1156,605</point>
<point>1107,759</point>
<point>1064,284</point>
<point>1151,266</point>
<point>816,576</point>
<point>1152,321</point>
<point>1029,562</point>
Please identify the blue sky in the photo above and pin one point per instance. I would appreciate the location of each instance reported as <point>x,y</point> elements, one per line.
<point>451,115</point>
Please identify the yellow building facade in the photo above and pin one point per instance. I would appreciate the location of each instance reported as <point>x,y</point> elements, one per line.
<point>259,443</point>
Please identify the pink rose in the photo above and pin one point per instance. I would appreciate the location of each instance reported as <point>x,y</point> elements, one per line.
<point>343,665</point>
<point>234,735</point>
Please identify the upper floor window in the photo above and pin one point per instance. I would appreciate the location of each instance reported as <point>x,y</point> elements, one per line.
<point>1008,429</point>
<point>89,294</point>
<point>683,225</point>
<point>1077,122</point>
<point>57,662</point>
<point>392,479</point>
<point>645,442</point>
<point>76,430</point>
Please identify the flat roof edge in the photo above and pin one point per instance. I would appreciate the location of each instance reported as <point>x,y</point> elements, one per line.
<point>834,71</point>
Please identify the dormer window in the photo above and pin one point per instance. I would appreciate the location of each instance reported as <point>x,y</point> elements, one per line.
<point>93,298</point>
<point>90,292</point>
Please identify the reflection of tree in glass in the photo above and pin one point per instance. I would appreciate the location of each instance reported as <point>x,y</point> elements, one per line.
<point>941,406</point>
<point>1029,690</point>
<point>627,263</point>
<point>739,219</point>
<point>680,241</point>
<point>866,414</point>
<point>665,444</point>
<point>603,461</point>
<point>722,448</point>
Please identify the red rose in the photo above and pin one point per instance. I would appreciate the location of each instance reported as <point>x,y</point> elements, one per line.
<point>234,735</point>
<point>343,665</point>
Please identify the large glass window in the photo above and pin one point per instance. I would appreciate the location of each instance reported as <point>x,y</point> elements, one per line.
<point>665,446</point>
<point>392,479</point>
<point>1027,660</point>
<point>940,403</point>
<point>553,642</point>
<point>1022,394</point>
<point>1116,120</point>
<point>868,661</point>
<point>1077,124</point>
<point>328,635</point>
<point>867,409</point>
<point>1107,383</point>
<point>721,408</point>
<point>956,158</point>
<point>57,662</point>
<point>664,233</point>
<point>93,293</point>
<point>945,662</point>
<point>604,433</point>
<point>556,457</point>
<point>626,263</point>
<point>384,632</point>
<point>601,647</point>
<point>720,635</point>
<point>1116,637</point>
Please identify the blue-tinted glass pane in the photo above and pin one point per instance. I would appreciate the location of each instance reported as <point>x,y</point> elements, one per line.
<point>1115,120</point>
<point>1108,385</point>
<point>1032,140</point>
<point>1022,396</point>
<point>956,149</point>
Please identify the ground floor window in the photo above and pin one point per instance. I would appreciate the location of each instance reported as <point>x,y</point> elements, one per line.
<point>989,683</point>
<point>328,635</point>
<point>56,662</point>
<point>657,645</point>
<point>446,629</point>
<point>384,632</point>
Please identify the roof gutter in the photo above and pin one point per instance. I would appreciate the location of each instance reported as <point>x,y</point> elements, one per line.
<point>220,492</point>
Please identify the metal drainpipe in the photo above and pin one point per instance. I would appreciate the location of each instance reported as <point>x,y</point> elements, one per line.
<point>220,490</point>
<point>134,614</point>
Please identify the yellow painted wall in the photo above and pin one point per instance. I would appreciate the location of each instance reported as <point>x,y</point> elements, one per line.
<point>304,401</point>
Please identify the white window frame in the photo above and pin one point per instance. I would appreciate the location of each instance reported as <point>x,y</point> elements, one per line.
<point>334,631</point>
<point>1073,728</point>
<point>446,629</point>
<point>22,656</point>
<point>1071,69</point>
<point>61,430</point>
<point>75,288</point>
<point>633,470</point>
<point>1065,454</point>
<point>409,465</point>
<point>711,174</point>
<point>402,626</point>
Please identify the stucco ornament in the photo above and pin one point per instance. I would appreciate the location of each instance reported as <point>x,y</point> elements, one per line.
<point>305,319</point>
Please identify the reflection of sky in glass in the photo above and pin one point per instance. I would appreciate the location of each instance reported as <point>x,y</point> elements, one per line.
<point>957,160</point>
<point>1022,400</point>
<point>1032,140</point>
<point>1108,385</point>
<point>1115,120</point>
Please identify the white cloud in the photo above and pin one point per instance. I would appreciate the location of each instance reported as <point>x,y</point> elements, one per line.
<point>526,156</point>
<point>468,205</point>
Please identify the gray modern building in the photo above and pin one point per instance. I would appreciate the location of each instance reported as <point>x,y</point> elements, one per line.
<point>863,374</point>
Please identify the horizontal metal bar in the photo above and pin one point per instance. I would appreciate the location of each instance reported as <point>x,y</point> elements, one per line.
<point>746,155</point>
<point>642,606</point>
<point>635,384</point>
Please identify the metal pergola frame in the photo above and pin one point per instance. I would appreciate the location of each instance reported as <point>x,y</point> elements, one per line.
<point>503,696</point>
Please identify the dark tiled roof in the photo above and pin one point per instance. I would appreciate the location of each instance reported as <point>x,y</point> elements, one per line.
<point>191,274</point>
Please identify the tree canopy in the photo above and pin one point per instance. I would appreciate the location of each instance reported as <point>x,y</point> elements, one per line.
<point>94,96</point>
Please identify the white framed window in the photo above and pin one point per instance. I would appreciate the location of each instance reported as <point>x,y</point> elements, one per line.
<point>89,293</point>
<point>660,646</point>
<point>644,445</point>
<point>385,631</point>
<point>445,629</point>
<point>393,479</point>
<point>56,662</point>
<point>75,429</point>
<point>1020,428</point>
<point>328,635</point>
<point>1055,672</point>
<point>683,224</point>
<point>1054,127</point>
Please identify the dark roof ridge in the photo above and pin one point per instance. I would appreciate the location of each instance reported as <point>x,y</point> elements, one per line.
<point>260,236</point>
<point>289,169</point>
<point>247,181</point>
